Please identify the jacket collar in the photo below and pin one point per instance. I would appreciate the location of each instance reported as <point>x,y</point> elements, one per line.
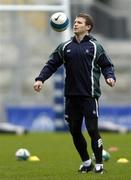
<point>86,38</point>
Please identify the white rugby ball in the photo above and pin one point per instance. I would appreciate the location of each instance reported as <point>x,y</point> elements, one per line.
<point>59,21</point>
<point>22,154</point>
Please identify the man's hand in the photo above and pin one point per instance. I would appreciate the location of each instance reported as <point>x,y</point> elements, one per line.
<point>38,86</point>
<point>110,82</point>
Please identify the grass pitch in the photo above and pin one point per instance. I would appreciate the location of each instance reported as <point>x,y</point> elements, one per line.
<point>58,157</point>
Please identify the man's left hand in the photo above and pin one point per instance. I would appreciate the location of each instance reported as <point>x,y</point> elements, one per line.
<point>110,82</point>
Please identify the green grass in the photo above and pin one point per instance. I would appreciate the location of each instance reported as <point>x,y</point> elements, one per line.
<point>58,157</point>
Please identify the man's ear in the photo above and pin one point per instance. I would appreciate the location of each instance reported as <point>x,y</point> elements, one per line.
<point>88,27</point>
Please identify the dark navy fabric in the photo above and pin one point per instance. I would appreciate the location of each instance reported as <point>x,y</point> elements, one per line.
<point>83,64</point>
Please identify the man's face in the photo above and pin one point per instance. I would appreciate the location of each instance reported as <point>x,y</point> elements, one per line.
<point>80,26</point>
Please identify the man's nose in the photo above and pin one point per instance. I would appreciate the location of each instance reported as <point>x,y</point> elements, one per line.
<point>75,24</point>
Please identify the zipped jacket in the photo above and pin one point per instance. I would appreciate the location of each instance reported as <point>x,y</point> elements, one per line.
<point>84,62</point>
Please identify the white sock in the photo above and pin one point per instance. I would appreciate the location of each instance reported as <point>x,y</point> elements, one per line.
<point>98,166</point>
<point>87,162</point>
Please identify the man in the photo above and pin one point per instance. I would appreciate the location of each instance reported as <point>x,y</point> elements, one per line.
<point>84,59</point>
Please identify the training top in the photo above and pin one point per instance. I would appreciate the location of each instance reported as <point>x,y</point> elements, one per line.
<point>84,62</point>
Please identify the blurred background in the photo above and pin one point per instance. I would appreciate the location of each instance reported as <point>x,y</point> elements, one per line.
<point>26,40</point>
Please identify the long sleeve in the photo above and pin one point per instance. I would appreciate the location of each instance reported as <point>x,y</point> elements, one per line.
<point>107,66</point>
<point>50,67</point>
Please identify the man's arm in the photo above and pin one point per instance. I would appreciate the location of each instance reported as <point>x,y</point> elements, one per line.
<point>50,67</point>
<point>107,69</point>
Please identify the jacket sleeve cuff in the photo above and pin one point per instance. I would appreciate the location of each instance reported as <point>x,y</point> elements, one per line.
<point>113,77</point>
<point>39,79</point>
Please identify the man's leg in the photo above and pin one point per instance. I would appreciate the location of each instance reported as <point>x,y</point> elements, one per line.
<point>91,121</point>
<point>74,118</point>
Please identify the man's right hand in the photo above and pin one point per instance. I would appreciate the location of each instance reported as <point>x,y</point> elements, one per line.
<point>38,86</point>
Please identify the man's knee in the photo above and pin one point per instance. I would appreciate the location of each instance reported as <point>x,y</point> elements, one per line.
<point>94,134</point>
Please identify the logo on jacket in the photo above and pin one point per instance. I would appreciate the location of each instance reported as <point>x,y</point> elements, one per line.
<point>87,51</point>
<point>68,50</point>
<point>94,112</point>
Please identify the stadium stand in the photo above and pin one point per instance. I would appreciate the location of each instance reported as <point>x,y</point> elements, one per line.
<point>25,44</point>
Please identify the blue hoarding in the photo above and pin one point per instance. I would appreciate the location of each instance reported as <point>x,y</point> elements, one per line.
<point>43,118</point>
<point>31,118</point>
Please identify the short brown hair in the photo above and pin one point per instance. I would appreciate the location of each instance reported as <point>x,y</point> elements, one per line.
<point>88,18</point>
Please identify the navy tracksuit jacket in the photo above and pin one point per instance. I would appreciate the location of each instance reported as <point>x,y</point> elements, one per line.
<point>83,64</point>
